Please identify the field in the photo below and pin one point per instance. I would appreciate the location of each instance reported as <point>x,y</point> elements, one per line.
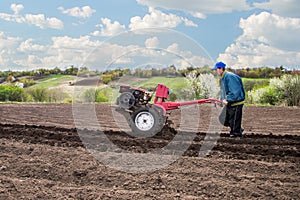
<point>42,157</point>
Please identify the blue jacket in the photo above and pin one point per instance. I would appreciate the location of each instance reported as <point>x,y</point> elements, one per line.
<point>232,88</point>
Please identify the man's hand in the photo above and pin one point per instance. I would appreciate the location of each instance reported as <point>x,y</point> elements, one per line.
<point>225,102</point>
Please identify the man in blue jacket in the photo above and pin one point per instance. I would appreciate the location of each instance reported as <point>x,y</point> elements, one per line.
<point>232,94</point>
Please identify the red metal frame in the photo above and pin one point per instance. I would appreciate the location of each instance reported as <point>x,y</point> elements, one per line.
<point>161,96</point>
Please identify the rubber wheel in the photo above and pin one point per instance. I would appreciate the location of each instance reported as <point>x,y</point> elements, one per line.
<point>126,100</point>
<point>146,122</point>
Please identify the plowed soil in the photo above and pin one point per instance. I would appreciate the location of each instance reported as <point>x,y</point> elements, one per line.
<point>43,157</point>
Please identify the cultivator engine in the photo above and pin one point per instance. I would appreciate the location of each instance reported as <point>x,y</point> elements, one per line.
<point>145,118</point>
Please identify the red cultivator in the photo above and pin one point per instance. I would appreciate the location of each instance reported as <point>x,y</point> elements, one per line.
<point>145,118</point>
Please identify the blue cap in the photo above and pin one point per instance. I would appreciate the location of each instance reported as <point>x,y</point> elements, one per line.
<point>219,65</point>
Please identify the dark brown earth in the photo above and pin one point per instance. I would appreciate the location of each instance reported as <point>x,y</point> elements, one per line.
<point>42,157</point>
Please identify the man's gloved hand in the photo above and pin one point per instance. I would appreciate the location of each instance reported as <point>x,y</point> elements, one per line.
<point>225,102</point>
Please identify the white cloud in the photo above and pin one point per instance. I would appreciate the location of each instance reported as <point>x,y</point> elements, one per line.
<point>199,8</point>
<point>31,61</point>
<point>287,8</point>
<point>198,15</point>
<point>67,42</point>
<point>108,28</point>
<point>7,46</point>
<point>7,17</point>
<point>83,12</point>
<point>156,18</point>
<point>187,58</point>
<point>38,20</point>
<point>282,33</point>
<point>152,42</point>
<point>267,39</point>
<point>28,46</point>
<point>65,51</point>
<point>16,8</point>
<point>174,48</point>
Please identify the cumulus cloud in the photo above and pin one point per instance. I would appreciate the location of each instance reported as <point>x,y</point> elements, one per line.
<point>280,32</point>
<point>31,61</point>
<point>16,8</point>
<point>156,18</point>
<point>65,51</point>
<point>42,22</point>
<point>199,8</point>
<point>83,12</point>
<point>107,28</point>
<point>174,48</point>
<point>38,20</point>
<point>152,42</point>
<point>28,46</point>
<point>73,43</point>
<point>287,8</point>
<point>7,46</point>
<point>267,39</point>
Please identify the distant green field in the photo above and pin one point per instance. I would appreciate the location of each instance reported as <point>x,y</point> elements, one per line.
<point>172,83</point>
<point>251,83</point>
<point>176,84</point>
<point>255,79</point>
<point>54,81</point>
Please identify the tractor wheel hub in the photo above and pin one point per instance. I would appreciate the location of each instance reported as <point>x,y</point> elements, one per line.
<point>144,121</point>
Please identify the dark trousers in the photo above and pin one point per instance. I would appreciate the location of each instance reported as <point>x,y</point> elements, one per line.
<point>231,116</point>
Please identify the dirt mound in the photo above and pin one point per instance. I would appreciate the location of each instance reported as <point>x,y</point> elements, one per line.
<point>42,156</point>
<point>93,81</point>
<point>272,148</point>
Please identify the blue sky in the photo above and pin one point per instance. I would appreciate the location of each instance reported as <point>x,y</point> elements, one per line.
<point>137,33</point>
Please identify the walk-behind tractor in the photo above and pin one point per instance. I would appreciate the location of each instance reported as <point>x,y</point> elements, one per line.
<point>145,118</point>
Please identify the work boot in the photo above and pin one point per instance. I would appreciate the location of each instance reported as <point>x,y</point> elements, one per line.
<point>237,134</point>
<point>233,135</point>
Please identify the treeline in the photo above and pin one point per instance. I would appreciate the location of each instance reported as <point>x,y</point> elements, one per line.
<point>41,72</point>
<point>171,71</point>
<point>264,72</point>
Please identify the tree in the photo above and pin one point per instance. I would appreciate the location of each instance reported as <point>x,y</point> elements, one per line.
<point>39,94</point>
<point>202,85</point>
<point>11,93</point>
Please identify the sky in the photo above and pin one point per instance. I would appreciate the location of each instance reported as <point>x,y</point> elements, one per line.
<point>113,34</point>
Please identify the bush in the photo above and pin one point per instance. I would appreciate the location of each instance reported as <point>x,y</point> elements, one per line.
<point>250,84</point>
<point>285,90</point>
<point>38,94</point>
<point>106,78</point>
<point>289,89</point>
<point>95,95</point>
<point>56,96</point>
<point>11,93</point>
<point>27,82</point>
<point>89,95</point>
<point>101,97</point>
<point>270,96</point>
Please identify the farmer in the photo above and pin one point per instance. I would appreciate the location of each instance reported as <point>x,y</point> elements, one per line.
<point>232,94</point>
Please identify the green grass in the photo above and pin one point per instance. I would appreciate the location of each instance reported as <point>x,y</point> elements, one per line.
<point>54,81</point>
<point>255,79</point>
<point>252,83</point>
<point>151,83</point>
